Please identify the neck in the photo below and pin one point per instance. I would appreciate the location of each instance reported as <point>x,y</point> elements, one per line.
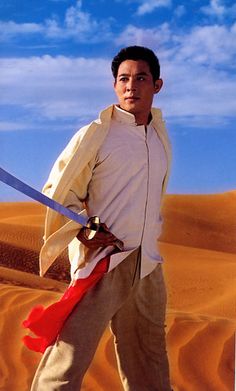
<point>140,118</point>
<point>143,119</point>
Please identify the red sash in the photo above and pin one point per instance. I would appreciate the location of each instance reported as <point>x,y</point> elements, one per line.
<point>46,323</point>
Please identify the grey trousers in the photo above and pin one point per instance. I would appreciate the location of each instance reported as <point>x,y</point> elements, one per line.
<point>135,309</point>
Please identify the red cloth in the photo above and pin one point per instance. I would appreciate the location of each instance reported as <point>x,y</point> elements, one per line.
<point>46,323</point>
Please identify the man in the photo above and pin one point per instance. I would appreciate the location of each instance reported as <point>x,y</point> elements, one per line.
<point>115,168</point>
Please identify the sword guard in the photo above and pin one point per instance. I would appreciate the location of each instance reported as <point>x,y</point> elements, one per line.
<point>93,225</point>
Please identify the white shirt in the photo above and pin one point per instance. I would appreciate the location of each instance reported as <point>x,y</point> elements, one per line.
<point>125,192</point>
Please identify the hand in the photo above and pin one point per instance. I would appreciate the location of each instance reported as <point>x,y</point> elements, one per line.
<point>103,238</point>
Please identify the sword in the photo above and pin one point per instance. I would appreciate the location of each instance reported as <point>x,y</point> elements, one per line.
<point>92,223</point>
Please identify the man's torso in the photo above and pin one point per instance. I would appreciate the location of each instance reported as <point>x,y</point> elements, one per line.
<point>125,190</point>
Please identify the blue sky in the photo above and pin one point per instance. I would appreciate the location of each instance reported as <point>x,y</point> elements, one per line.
<point>55,76</point>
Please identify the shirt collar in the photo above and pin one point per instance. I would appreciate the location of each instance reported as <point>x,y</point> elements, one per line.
<point>123,116</point>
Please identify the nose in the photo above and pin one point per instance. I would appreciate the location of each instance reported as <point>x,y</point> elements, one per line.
<point>131,85</point>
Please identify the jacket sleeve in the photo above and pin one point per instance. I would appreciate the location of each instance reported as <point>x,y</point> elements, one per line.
<point>56,186</point>
<point>71,173</point>
<point>70,190</point>
<point>61,163</point>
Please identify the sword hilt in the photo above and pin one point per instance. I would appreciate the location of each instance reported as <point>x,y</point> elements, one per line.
<point>92,227</point>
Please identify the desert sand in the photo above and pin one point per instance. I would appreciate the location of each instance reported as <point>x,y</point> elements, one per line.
<point>199,247</point>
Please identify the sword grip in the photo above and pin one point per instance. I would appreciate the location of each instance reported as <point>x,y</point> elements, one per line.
<point>93,225</point>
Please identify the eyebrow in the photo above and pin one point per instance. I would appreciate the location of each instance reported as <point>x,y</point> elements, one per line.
<point>137,74</point>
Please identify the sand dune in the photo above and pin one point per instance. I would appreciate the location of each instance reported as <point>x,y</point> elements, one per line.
<point>205,221</point>
<point>21,232</point>
<point>199,246</point>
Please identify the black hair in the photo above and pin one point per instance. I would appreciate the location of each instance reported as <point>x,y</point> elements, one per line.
<point>137,53</point>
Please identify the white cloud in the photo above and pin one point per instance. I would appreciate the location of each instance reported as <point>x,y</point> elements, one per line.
<point>194,67</point>
<point>8,126</point>
<point>76,19</point>
<point>155,37</point>
<point>212,45</point>
<point>219,10</point>
<point>80,25</point>
<point>56,87</point>
<point>77,24</point>
<point>148,6</point>
<point>61,88</point>
<point>180,11</point>
<point>215,8</point>
<point>209,46</point>
<point>11,29</point>
<point>191,91</point>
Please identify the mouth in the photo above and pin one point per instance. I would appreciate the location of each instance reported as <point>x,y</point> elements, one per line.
<point>131,98</point>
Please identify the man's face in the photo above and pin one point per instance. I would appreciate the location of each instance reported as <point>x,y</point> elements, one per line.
<point>135,88</point>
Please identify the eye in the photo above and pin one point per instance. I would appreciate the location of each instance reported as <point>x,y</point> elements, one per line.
<point>140,78</point>
<point>123,78</point>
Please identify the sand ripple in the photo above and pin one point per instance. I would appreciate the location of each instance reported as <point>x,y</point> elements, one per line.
<point>199,246</point>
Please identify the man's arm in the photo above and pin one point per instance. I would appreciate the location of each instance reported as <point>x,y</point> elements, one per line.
<point>103,238</point>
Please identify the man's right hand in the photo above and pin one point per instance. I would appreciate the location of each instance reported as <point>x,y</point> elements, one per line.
<point>103,238</point>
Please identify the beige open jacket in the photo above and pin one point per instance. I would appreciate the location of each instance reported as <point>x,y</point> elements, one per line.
<point>73,165</point>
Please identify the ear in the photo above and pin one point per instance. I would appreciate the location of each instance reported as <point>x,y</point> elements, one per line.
<point>158,85</point>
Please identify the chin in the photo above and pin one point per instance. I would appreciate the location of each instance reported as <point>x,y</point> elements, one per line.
<point>131,108</point>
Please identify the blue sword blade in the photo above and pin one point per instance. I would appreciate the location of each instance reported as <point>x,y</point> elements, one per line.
<point>22,187</point>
